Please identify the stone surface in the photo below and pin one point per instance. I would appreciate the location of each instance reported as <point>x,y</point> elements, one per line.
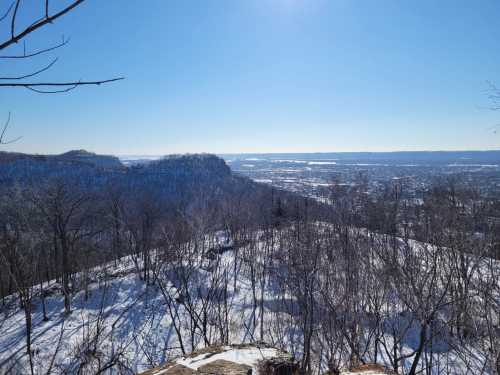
<point>179,370</point>
<point>170,369</point>
<point>278,366</point>
<point>223,367</point>
<point>369,369</point>
<point>238,359</point>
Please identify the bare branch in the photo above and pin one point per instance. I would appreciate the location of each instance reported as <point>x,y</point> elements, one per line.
<point>52,91</point>
<point>7,12</point>
<point>77,83</point>
<point>67,86</point>
<point>32,74</point>
<point>13,21</point>
<point>15,38</point>
<point>45,50</point>
<point>6,125</point>
<point>4,130</point>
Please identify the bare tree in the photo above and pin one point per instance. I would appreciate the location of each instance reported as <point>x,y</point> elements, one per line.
<point>65,210</point>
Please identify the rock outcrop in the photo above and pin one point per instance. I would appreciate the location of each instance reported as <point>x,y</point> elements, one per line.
<point>245,359</point>
<point>369,369</point>
<point>221,366</point>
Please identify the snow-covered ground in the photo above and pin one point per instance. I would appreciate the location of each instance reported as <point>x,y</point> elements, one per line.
<point>132,323</point>
<point>133,316</point>
<point>250,356</point>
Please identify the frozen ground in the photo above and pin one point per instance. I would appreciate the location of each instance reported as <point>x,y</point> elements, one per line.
<point>249,356</point>
<point>128,320</point>
<point>133,318</point>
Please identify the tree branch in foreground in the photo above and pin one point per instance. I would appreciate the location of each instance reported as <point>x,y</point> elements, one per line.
<point>14,38</point>
<point>65,86</point>
<point>4,130</point>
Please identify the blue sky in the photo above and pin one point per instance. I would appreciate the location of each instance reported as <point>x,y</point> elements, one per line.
<point>265,76</point>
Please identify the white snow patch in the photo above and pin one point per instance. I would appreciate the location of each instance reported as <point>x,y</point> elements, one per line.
<point>246,356</point>
<point>322,163</point>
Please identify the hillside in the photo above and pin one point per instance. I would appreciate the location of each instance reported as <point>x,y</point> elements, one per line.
<point>172,172</point>
<point>204,293</point>
<point>70,157</point>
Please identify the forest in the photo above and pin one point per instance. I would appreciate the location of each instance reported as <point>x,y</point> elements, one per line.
<point>221,260</point>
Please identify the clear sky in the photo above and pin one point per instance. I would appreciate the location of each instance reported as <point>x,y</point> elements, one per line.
<point>265,76</point>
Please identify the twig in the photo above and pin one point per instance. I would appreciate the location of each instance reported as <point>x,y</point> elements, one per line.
<point>15,38</point>
<point>32,74</point>
<point>68,86</point>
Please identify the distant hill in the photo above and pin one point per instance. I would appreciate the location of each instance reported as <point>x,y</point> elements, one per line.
<point>74,156</point>
<point>173,178</point>
<point>174,183</point>
<point>21,168</point>
<point>25,168</point>
<point>82,156</point>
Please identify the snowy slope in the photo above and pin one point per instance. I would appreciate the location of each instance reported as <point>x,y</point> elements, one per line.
<point>130,322</point>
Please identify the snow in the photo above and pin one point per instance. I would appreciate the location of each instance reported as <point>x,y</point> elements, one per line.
<point>136,319</point>
<point>322,163</point>
<point>134,314</point>
<point>249,356</point>
<point>289,161</point>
